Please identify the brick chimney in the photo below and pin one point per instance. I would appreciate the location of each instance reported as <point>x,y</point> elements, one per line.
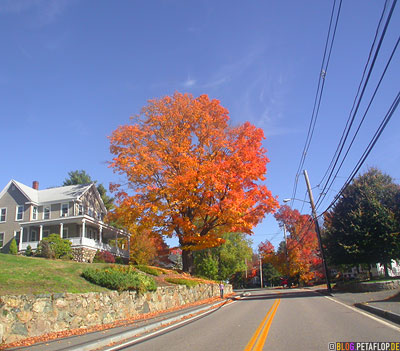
<point>35,185</point>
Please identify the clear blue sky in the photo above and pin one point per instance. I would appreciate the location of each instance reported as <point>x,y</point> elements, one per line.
<point>72,71</point>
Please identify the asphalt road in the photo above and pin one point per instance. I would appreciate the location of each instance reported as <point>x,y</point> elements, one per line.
<point>273,320</point>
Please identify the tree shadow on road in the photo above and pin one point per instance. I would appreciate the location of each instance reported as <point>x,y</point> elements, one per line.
<point>286,294</point>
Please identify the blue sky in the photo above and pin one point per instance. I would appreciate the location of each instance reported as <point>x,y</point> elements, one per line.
<point>72,71</point>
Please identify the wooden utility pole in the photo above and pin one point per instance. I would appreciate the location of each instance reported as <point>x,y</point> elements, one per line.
<point>314,215</point>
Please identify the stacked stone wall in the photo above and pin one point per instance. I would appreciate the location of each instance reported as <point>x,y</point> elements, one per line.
<point>369,286</point>
<point>82,254</point>
<point>26,316</point>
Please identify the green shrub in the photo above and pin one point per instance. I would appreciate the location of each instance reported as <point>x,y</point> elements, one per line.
<point>120,278</point>
<point>28,251</point>
<point>182,281</point>
<point>119,260</point>
<point>54,246</point>
<point>13,250</point>
<point>149,270</point>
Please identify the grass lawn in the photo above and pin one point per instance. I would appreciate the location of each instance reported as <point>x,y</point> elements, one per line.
<point>33,275</point>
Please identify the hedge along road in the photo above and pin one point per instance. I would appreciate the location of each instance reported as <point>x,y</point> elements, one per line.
<point>273,320</point>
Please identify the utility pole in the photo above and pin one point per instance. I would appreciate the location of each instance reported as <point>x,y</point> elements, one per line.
<point>261,280</point>
<point>284,235</point>
<point>245,262</point>
<point>286,251</point>
<point>314,215</point>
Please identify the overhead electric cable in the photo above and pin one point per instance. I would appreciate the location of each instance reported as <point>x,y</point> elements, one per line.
<point>367,151</point>
<point>358,91</point>
<point>318,96</point>
<point>351,117</point>
<point>361,122</point>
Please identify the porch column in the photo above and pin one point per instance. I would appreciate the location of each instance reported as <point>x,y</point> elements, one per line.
<point>41,233</point>
<point>21,235</point>
<point>129,244</point>
<point>83,230</point>
<point>100,233</point>
<point>61,229</point>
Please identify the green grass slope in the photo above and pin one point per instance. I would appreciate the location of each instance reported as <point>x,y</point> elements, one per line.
<point>32,275</point>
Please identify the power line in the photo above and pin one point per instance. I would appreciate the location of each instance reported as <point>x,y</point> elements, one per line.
<point>320,88</point>
<point>369,148</point>
<point>358,91</point>
<point>362,120</point>
<point>356,103</point>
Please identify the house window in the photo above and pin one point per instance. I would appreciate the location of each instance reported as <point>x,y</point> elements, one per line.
<point>34,212</point>
<point>46,212</point>
<point>80,210</point>
<point>90,212</point>
<point>19,213</point>
<point>64,210</point>
<point>34,235</point>
<point>1,240</point>
<point>3,214</point>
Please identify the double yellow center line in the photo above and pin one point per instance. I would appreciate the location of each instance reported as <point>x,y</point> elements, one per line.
<point>257,341</point>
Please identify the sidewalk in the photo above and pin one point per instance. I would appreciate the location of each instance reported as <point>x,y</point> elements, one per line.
<point>100,339</point>
<point>385,303</point>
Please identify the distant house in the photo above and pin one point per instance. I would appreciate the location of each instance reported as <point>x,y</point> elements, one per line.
<point>75,212</point>
<point>377,270</point>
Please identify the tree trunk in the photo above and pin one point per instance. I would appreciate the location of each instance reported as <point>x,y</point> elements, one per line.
<point>369,272</point>
<point>385,267</point>
<point>187,261</point>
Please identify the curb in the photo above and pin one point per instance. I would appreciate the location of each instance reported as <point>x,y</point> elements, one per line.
<point>107,340</point>
<point>393,317</point>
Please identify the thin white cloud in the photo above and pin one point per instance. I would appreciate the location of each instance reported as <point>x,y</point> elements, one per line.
<point>262,102</point>
<point>230,71</point>
<point>17,6</point>
<point>42,12</point>
<point>189,83</point>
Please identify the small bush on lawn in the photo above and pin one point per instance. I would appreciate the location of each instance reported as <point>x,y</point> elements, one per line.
<point>28,251</point>
<point>149,270</point>
<point>120,278</point>
<point>182,281</point>
<point>104,257</point>
<point>119,260</point>
<point>13,250</point>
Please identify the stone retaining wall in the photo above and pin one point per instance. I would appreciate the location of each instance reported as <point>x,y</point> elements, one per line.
<point>82,254</point>
<point>26,316</point>
<point>369,286</point>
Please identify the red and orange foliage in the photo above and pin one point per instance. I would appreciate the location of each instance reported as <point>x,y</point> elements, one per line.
<point>145,247</point>
<point>189,174</point>
<point>303,261</point>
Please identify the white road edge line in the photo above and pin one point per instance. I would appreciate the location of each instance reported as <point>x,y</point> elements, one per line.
<point>132,342</point>
<point>365,314</point>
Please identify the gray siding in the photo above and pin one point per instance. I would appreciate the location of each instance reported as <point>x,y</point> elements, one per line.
<point>89,200</point>
<point>55,211</point>
<point>11,198</point>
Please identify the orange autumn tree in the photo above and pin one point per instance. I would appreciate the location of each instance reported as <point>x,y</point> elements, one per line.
<point>189,174</point>
<point>276,259</point>
<point>299,258</point>
<point>303,261</point>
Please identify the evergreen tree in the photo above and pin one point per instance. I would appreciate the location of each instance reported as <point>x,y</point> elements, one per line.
<point>363,227</point>
<point>13,250</point>
<point>81,177</point>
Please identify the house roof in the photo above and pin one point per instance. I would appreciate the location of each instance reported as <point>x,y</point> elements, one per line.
<point>61,193</point>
